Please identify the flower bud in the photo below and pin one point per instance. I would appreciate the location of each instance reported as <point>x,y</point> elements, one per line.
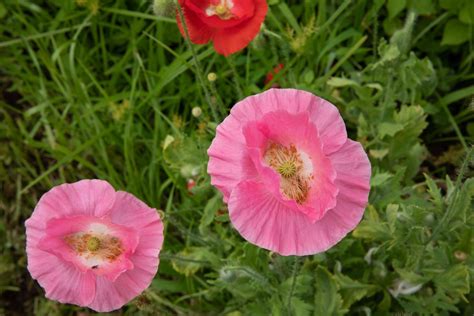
<point>165,8</point>
<point>460,255</point>
<point>190,184</point>
<point>196,111</point>
<point>212,77</point>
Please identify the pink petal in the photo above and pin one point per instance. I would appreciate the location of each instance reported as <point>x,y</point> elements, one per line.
<point>85,197</point>
<point>113,295</point>
<point>353,173</point>
<point>146,221</point>
<point>323,114</point>
<point>228,162</point>
<point>266,222</point>
<point>72,208</point>
<point>293,129</point>
<point>58,228</point>
<point>61,280</point>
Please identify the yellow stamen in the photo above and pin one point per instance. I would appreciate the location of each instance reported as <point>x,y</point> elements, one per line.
<point>100,246</point>
<point>295,184</point>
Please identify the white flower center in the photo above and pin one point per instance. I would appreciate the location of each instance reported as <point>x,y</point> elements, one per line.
<point>96,246</point>
<point>222,10</point>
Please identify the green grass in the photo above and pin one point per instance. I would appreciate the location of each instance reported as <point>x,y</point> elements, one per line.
<point>95,95</point>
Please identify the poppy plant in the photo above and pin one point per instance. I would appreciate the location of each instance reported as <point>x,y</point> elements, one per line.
<point>294,183</point>
<point>230,24</point>
<point>92,246</point>
<point>272,73</point>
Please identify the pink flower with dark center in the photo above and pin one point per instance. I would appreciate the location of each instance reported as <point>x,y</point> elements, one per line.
<point>294,183</point>
<point>92,246</point>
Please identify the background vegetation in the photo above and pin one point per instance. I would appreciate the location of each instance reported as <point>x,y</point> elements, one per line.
<point>105,90</point>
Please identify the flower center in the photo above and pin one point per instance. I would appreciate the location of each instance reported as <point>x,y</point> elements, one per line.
<point>287,169</point>
<point>222,10</point>
<point>93,244</point>
<point>288,162</point>
<point>95,247</point>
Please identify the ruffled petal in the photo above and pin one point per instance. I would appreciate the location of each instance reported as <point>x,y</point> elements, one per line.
<point>241,11</point>
<point>229,162</point>
<point>130,211</point>
<point>232,39</point>
<point>353,176</point>
<point>61,280</point>
<point>113,295</point>
<point>199,33</point>
<point>59,228</point>
<point>266,222</point>
<point>293,129</point>
<point>323,114</point>
<point>85,197</point>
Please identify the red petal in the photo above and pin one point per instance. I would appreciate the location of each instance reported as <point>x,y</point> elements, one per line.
<point>230,40</point>
<point>199,32</point>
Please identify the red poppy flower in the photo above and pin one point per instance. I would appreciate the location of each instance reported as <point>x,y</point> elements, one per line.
<point>273,72</point>
<point>230,24</point>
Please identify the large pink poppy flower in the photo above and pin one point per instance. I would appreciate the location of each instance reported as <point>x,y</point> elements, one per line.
<point>294,183</point>
<point>92,246</point>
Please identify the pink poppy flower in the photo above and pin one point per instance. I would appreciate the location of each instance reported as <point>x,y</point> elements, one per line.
<point>92,246</point>
<point>294,183</point>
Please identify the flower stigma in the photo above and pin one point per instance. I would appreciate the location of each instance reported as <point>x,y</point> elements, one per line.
<point>222,10</point>
<point>93,244</point>
<point>289,163</point>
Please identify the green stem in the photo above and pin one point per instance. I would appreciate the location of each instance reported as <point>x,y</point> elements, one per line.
<point>293,283</point>
<point>199,71</point>
<point>236,78</point>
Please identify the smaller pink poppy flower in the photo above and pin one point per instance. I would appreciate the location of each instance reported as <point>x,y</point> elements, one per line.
<point>294,183</point>
<point>91,246</point>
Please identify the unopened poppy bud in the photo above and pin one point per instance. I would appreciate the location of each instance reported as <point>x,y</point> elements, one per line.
<point>212,77</point>
<point>196,111</point>
<point>164,7</point>
<point>168,140</point>
<point>460,255</point>
<point>190,185</point>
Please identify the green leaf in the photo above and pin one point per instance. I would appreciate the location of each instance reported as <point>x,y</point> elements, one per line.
<point>378,153</point>
<point>300,308</point>
<point>352,290</point>
<point>449,4</point>
<point>212,206</point>
<point>190,260</point>
<point>327,300</point>
<point>454,282</point>
<point>308,76</point>
<point>3,11</point>
<point>394,7</point>
<point>455,33</point>
<point>425,7</point>
<point>379,179</point>
<point>371,227</point>
<point>341,82</point>
<point>389,129</point>
<point>470,129</point>
<point>461,204</point>
<point>466,14</point>
<point>434,191</point>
